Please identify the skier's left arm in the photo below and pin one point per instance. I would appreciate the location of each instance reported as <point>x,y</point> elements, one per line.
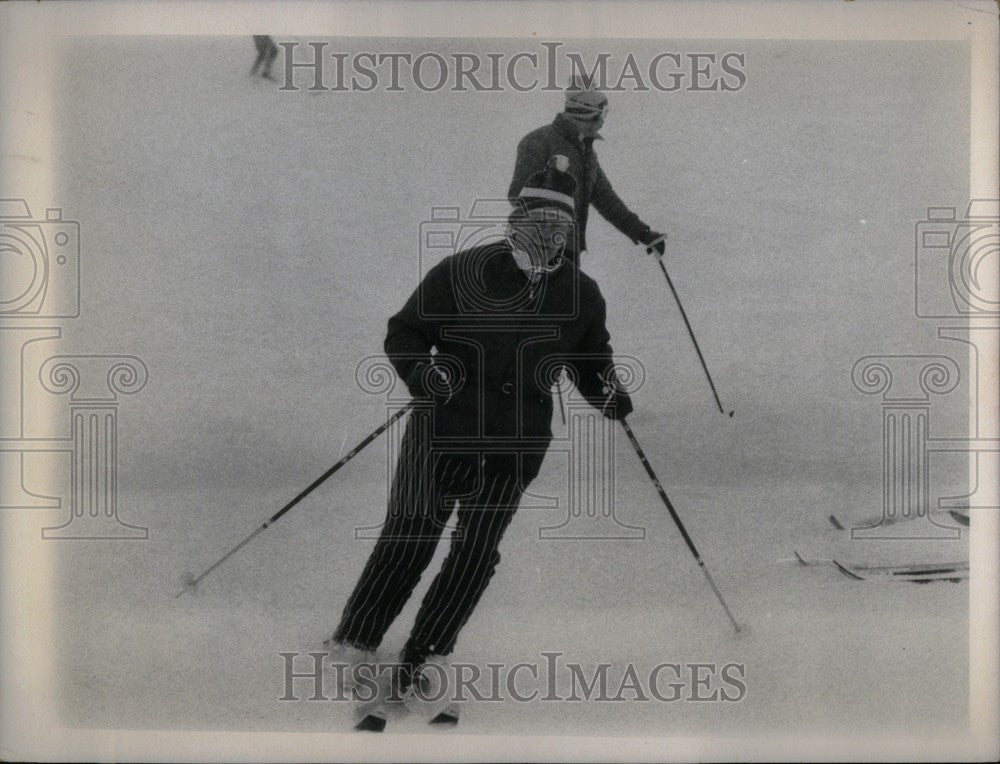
<point>594,366</point>
<point>616,212</point>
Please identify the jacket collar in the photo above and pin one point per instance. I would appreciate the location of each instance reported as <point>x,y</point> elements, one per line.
<point>564,125</point>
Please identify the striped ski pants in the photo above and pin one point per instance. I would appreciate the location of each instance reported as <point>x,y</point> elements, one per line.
<point>425,488</point>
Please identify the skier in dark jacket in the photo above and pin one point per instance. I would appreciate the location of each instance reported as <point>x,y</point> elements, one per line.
<point>572,134</point>
<point>471,344</point>
<point>267,51</point>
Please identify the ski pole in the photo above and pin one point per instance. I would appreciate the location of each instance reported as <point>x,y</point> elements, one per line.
<point>562,406</point>
<point>192,582</point>
<point>687,323</point>
<point>680,526</point>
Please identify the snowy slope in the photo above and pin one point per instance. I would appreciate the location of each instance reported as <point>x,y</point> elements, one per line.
<point>249,244</point>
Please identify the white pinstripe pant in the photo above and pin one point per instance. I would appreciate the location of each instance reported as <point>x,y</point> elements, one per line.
<point>425,488</point>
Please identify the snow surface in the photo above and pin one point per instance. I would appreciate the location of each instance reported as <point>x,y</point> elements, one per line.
<point>249,244</point>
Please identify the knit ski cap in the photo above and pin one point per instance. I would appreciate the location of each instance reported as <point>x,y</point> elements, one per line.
<point>583,99</point>
<point>551,188</point>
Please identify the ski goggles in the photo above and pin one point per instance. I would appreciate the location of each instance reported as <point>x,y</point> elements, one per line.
<point>587,110</point>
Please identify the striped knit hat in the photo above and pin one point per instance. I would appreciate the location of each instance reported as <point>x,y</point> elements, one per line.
<point>551,188</point>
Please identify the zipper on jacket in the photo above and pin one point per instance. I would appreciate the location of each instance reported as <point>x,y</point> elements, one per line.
<point>587,152</point>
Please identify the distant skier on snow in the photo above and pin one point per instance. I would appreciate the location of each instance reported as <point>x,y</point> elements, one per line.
<point>572,134</point>
<point>267,51</point>
<point>481,442</point>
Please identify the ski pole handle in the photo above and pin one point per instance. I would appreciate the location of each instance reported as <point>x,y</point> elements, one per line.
<point>652,246</point>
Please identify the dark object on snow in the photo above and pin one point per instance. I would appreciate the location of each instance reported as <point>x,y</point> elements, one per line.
<point>849,573</point>
<point>371,723</point>
<point>959,517</point>
<point>920,573</point>
<point>447,718</point>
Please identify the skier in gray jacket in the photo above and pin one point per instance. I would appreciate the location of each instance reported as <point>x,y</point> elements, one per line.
<point>572,134</point>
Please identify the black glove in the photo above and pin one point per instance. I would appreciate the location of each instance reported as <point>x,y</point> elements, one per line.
<point>429,381</point>
<point>650,236</point>
<point>617,405</point>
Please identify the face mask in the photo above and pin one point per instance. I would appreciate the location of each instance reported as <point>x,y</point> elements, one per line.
<point>523,261</point>
<point>586,118</point>
<point>548,239</point>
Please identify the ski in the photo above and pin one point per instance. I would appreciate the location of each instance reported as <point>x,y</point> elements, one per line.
<point>372,722</point>
<point>847,572</point>
<point>959,516</point>
<point>918,575</point>
<point>377,719</point>
<point>952,572</point>
<point>446,718</point>
<point>376,714</point>
<point>374,711</point>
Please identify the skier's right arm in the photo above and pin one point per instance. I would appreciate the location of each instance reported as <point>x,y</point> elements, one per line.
<point>411,335</point>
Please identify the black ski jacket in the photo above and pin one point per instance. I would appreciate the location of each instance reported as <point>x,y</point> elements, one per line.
<point>506,339</point>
